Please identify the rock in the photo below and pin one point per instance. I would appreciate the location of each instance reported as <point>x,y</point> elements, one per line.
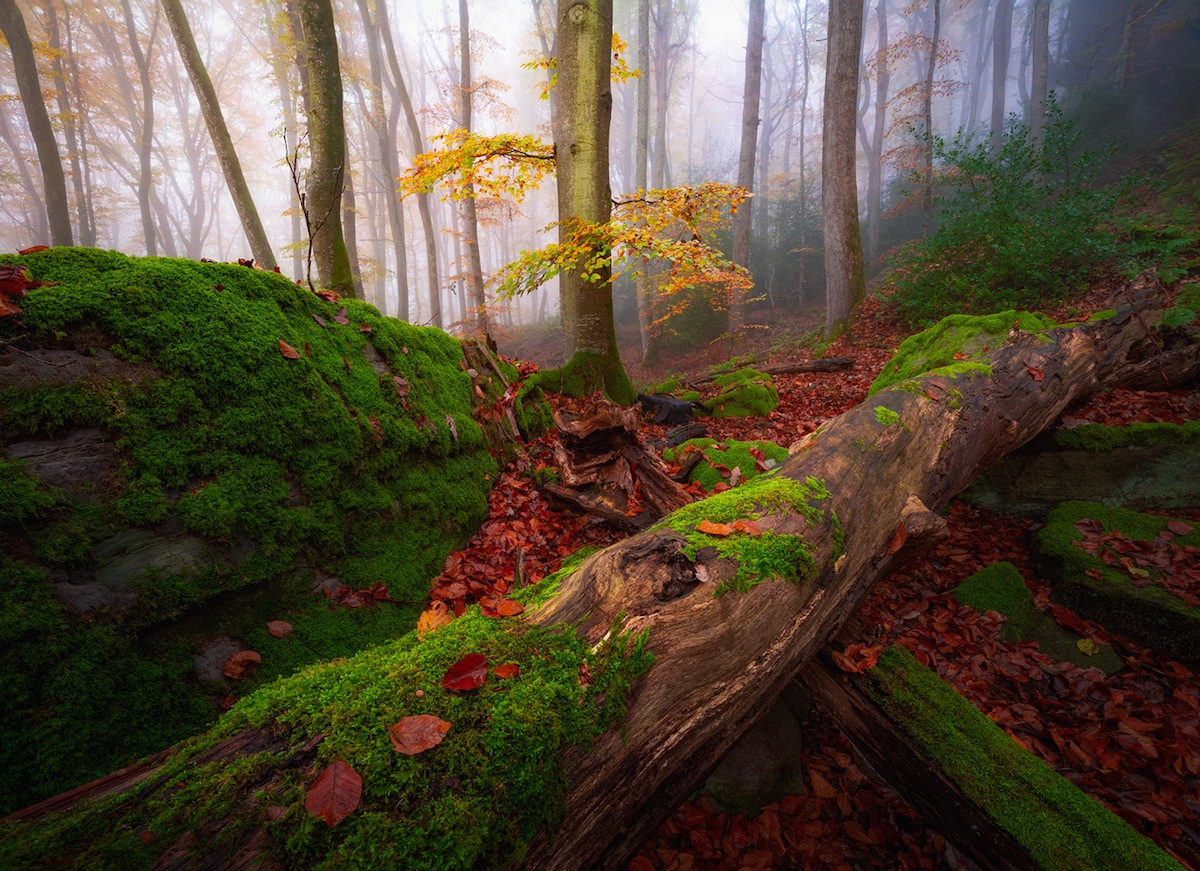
<point>211,654</point>
<point>79,464</point>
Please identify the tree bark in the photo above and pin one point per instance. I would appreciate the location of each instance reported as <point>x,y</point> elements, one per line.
<point>214,119</point>
<point>721,661</point>
<point>54,181</point>
<point>142,60</point>
<point>1039,87</point>
<point>328,169</point>
<point>751,98</point>
<point>873,146</point>
<point>845,279</point>
<point>927,112</point>
<point>87,236</point>
<point>641,159</point>
<point>1001,48</point>
<point>474,265</point>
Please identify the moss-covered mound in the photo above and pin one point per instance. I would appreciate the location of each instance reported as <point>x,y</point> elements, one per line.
<point>1000,588</point>
<point>1061,827</point>
<point>1107,594</point>
<point>1098,437</point>
<point>744,393</point>
<point>952,342</point>
<point>719,459</point>
<point>474,800</point>
<point>206,429</point>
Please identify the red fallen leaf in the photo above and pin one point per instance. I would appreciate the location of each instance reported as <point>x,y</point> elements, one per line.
<point>712,528</point>
<point>821,786</point>
<point>7,308</point>
<point>418,733</point>
<point>236,666</point>
<point>307,351</point>
<point>378,590</point>
<point>1034,371</point>
<point>328,295</point>
<point>280,628</point>
<point>288,351</point>
<point>401,386</point>
<point>147,836</point>
<point>509,669</point>
<point>336,793</point>
<point>843,662</point>
<point>466,674</point>
<point>641,863</point>
<point>747,526</point>
<point>320,320</point>
<point>437,615</point>
<point>34,248</point>
<point>959,355</point>
<point>1179,527</point>
<point>501,607</point>
<point>227,701</point>
<point>364,328</point>
<point>898,539</point>
<point>340,317</point>
<point>857,832</point>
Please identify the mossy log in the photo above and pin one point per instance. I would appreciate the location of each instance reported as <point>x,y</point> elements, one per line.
<point>850,505</point>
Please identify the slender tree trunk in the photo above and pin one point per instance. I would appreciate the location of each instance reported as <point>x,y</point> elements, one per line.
<point>328,170</point>
<point>470,221</point>
<point>927,111</point>
<point>396,82</point>
<point>845,280</point>
<point>1039,89</point>
<point>87,229</point>
<point>982,46</point>
<point>663,23</point>
<point>87,236</point>
<point>802,142</point>
<point>645,286</point>
<point>874,148</point>
<point>210,106</point>
<point>34,202</point>
<point>291,135</point>
<point>146,134</point>
<point>751,94</point>
<point>1001,49</point>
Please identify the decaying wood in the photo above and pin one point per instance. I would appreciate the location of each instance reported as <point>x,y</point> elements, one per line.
<point>890,756</point>
<point>722,661</point>
<point>822,364</point>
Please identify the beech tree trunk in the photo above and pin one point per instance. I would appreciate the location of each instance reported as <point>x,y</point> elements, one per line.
<point>1001,48</point>
<point>721,661</point>
<point>751,94</point>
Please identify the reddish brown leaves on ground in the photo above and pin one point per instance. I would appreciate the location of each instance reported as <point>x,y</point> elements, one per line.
<point>437,615</point>
<point>417,733</point>
<point>348,598</point>
<point>466,674</point>
<point>236,666</point>
<point>509,669</point>
<point>1176,567</point>
<point>288,351</point>
<point>14,282</point>
<point>336,793</point>
<point>280,628</point>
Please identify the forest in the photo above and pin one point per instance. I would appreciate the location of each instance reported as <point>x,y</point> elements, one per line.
<point>633,434</point>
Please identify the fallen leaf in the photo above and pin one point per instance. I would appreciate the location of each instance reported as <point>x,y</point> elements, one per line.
<point>236,666</point>
<point>509,669</point>
<point>1088,646</point>
<point>747,526</point>
<point>280,628</point>
<point>501,608</point>
<point>437,615</point>
<point>466,674</point>
<point>288,351</point>
<point>450,422</point>
<point>418,733</point>
<point>320,320</point>
<point>898,539</point>
<point>843,662</point>
<point>340,317</point>
<point>336,793</point>
<point>1179,527</point>
<point>364,328</point>
<point>328,295</point>
<point>712,528</point>
<point>821,786</point>
<point>32,248</point>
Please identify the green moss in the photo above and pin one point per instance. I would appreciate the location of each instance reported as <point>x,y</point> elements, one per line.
<point>1097,437</point>
<point>886,416</point>
<point>533,412</point>
<point>475,800</point>
<point>1150,614</point>
<point>758,557</point>
<point>744,393</point>
<point>1062,828</point>
<point>730,454</point>
<point>935,348</point>
<point>588,373</point>
<point>1104,315</point>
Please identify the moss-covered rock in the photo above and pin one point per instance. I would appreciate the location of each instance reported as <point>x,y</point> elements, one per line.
<point>948,346</point>
<point>719,459</point>
<point>744,393</point>
<point>1105,594</point>
<point>242,434</point>
<point>1000,588</point>
<point>1061,827</point>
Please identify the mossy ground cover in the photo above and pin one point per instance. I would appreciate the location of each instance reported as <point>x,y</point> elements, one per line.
<point>324,461</point>
<point>967,336</point>
<point>1106,594</point>
<point>721,458</point>
<point>474,800</point>
<point>1098,437</point>
<point>1061,827</point>
<point>744,393</point>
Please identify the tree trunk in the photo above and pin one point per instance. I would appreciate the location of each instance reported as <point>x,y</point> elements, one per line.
<point>645,289</point>
<point>474,269</point>
<point>722,660</point>
<point>87,236</point>
<point>751,98</point>
<point>1039,88</point>
<point>927,111</point>
<point>845,281</point>
<point>54,181</point>
<point>874,146</point>
<point>146,134</point>
<point>210,107</point>
<point>970,114</point>
<point>328,170</point>
<point>1001,48</point>
<point>581,164</point>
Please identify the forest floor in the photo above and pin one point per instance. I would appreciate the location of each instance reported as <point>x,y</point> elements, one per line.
<point>1132,739</point>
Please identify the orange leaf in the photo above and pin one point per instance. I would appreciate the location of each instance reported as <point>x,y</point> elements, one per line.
<point>821,786</point>
<point>715,528</point>
<point>898,539</point>
<point>856,831</point>
<point>1179,527</point>
<point>466,674</point>
<point>500,607</point>
<point>235,667</point>
<point>509,669</point>
<point>280,628</point>
<point>336,793</point>
<point>437,615</point>
<point>416,734</point>
<point>288,351</point>
<point>747,526</point>
<point>33,248</point>
<point>842,661</point>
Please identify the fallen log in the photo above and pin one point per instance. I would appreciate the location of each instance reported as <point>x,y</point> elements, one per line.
<point>794,553</point>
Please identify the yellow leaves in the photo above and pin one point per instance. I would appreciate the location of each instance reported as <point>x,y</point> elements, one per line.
<point>472,164</point>
<point>437,615</point>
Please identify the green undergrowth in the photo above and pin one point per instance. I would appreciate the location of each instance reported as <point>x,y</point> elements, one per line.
<point>673,385</point>
<point>769,554</point>
<point>359,458</point>
<point>1150,614</point>
<point>744,393</point>
<point>1061,827</point>
<point>474,800</point>
<point>731,454</point>
<point>1098,437</point>
<point>933,351</point>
